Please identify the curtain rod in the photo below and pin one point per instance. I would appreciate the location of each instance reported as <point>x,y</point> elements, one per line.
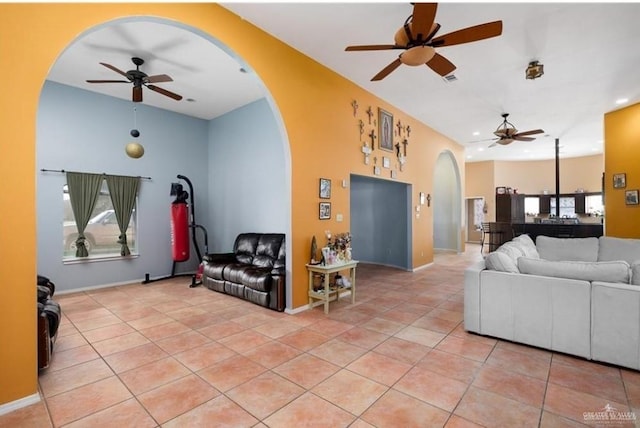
<point>63,171</point>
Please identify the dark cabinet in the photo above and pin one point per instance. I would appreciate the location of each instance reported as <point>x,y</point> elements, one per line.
<point>510,208</point>
<point>545,204</point>
<point>580,205</point>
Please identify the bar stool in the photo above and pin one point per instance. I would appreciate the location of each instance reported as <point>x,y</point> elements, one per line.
<point>487,236</point>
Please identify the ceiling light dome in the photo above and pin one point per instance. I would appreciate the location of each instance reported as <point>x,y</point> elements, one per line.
<point>418,55</point>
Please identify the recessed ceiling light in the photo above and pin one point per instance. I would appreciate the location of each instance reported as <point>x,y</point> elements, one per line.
<point>593,149</point>
<point>526,150</point>
<point>481,149</point>
<point>469,156</point>
<point>476,133</point>
<point>621,101</point>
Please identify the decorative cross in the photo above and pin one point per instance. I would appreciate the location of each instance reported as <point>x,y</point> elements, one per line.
<point>405,143</point>
<point>372,135</point>
<point>367,151</point>
<point>361,126</point>
<point>408,131</point>
<point>399,126</point>
<point>397,149</point>
<point>370,114</point>
<point>354,104</point>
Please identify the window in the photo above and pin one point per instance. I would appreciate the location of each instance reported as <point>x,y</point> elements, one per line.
<point>567,206</point>
<point>593,205</point>
<point>102,231</point>
<point>532,205</point>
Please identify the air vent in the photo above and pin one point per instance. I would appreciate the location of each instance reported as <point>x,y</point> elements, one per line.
<point>450,78</point>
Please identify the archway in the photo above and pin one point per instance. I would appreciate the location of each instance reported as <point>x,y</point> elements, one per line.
<point>447,204</point>
<point>172,148</point>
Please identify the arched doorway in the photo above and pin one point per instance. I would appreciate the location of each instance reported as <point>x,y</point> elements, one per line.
<point>447,204</point>
<point>84,131</point>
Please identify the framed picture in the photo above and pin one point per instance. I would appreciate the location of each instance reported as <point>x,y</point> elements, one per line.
<point>386,163</point>
<point>619,181</point>
<point>325,210</point>
<point>501,190</point>
<point>385,130</point>
<point>325,188</point>
<point>631,197</point>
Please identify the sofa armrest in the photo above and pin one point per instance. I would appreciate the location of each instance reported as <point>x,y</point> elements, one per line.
<point>279,271</point>
<point>615,323</point>
<point>220,258</point>
<point>472,296</point>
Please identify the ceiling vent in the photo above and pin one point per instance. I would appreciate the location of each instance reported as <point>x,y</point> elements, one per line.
<point>450,78</point>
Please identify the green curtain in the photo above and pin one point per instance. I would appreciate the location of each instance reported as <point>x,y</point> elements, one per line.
<point>84,189</point>
<point>123,192</point>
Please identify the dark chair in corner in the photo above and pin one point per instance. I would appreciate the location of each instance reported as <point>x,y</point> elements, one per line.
<point>488,237</point>
<point>48,320</point>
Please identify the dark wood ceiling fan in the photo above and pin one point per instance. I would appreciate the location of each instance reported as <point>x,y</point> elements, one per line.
<point>416,39</point>
<point>507,133</point>
<point>140,79</point>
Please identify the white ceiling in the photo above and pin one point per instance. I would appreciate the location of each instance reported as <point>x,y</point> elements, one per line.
<point>589,51</point>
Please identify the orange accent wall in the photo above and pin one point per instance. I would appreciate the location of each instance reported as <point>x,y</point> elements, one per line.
<point>314,102</point>
<point>622,155</point>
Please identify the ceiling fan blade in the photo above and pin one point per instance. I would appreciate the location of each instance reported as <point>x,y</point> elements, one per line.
<point>424,15</point>
<point>158,78</point>
<point>372,47</point>
<point>387,70</point>
<point>137,94</point>
<point>441,65</point>
<point>532,132</point>
<point>165,92</point>
<point>108,81</point>
<point>519,138</point>
<point>117,70</point>
<point>492,145</point>
<point>469,34</point>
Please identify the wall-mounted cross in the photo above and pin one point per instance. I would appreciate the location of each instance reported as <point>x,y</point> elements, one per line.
<point>399,126</point>
<point>354,104</point>
<point>408,131</point>
<point>372,135</point>
<point>370,114</point>
<point>405,143</point>
<point>367,151</point>
<point>361,126</point>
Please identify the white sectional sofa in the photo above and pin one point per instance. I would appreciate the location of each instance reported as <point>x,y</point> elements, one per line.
<point>579,296</point>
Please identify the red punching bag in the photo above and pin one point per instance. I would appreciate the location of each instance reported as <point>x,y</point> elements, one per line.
<point>179,232</point>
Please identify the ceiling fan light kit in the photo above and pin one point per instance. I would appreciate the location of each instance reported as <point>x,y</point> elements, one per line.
<point>534,70</point>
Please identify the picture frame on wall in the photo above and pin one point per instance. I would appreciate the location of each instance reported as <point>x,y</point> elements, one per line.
<point>385,130</point>
<point>325,210</point>
<point>619,181</point>
<point>325,188</point>
<point>631,197</point>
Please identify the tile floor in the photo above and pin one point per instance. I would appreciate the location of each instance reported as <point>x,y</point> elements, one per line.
<point>164,354</point>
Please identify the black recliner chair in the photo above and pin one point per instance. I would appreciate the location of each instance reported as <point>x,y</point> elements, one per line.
<point>49,314</point>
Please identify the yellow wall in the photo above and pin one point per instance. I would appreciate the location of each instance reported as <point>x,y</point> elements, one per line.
<point>622,155</point>
<point>313,101</point>
<point>480,181</point>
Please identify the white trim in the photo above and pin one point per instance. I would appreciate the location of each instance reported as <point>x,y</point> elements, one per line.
<point>428,265</point>
<point>19,404</point>
<point>117,284</point>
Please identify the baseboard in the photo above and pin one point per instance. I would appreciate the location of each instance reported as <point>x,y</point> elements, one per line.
<point>316,303</point>
<point>422,267</point>
<point>19,404</point>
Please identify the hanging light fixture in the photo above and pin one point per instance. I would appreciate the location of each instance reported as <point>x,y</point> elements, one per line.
<point>534,70</point>
<point>134,150</point>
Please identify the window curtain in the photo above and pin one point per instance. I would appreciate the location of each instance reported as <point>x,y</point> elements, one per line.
<point>84,189</point>
<point>123,192</point>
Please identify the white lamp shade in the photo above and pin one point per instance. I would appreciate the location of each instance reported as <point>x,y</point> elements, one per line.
<point>418,55</point>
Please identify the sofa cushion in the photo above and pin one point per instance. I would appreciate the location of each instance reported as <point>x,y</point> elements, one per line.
<point>615,271</point>
<point>567,249</point>
<point>500,261</point>
<point>527,246</point>
<point>635,273</point>
<point>618,249</point>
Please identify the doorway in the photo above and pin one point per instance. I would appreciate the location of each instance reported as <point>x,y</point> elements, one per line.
<point>474,214</point>
<point>447,204</point>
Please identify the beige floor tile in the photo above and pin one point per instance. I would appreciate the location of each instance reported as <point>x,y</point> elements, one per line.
<point>153,375</point>
<point>127,413</point>
<point>433,388</point>
<point>395,409</point>
<point>493,410</point>
<point>231,372</point>
<point>380,368</point>
<point>350,391</point>
<point>306,370</point>
<point>223,411</point>
<point>309,410</point>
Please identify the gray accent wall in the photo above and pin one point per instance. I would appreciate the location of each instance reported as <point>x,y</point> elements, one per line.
<point>79,130</point>
<point>380,221</point>
<point>247,175</point>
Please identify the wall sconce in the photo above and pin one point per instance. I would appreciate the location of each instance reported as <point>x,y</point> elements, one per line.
<point>421,198</point>
<point>344,184</point>
<point>429,200</point>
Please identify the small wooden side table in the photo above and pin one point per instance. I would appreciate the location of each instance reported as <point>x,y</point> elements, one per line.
<point>328,294</point>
